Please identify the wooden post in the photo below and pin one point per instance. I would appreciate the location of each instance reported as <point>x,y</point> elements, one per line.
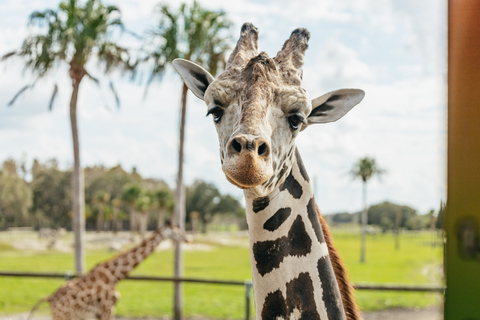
<point>463,204</point>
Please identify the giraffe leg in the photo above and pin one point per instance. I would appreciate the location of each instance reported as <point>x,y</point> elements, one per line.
<point>346,289</point>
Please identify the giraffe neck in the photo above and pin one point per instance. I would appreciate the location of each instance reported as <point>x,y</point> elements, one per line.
<point>121,265</point>
<point>293,276</point>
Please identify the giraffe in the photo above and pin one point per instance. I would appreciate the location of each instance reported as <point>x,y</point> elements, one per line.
<point>93,295</point>
<point>258,108</point>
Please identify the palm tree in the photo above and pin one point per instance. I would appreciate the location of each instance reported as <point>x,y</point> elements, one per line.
<point>196,34</point>
<point>164,202</point>
<point>143,205</point>
<point>364,169</point>
<point>116,203</point>
<point>101,199</point>
<point>130,195</point>
<point>75,32</point>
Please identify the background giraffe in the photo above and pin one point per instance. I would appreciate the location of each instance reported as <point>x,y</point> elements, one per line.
<point>93,295</point>
<point>259,107</point>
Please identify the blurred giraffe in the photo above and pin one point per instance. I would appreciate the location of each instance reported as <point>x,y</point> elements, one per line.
<point>93,295</point>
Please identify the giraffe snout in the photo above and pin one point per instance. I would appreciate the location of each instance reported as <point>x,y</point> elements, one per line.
<point>248,161</point>
<point>245,143</point>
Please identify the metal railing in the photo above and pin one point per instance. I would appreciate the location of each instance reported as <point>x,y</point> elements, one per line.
<point>248,284</point>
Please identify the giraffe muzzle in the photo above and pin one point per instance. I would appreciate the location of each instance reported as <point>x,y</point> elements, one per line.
<point>248,161</point>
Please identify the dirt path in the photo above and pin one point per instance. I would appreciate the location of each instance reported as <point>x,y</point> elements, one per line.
<point>432,313</point>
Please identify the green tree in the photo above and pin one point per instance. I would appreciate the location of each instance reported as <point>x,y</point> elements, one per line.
<point>51,189</point>
<point>440,223</point>
<point>165,202</point>
<point>110,180</point>
<point>229,205</point>
<point>101,200</point>
<point>75,32</point>
<point>116,204</point>
<point>202,197</point>
<point>130,195</point>
<point>364,169</point>
<point>384,214</point>
<point>15,197</point>
<point>192,33</point>
<point>144,203</point>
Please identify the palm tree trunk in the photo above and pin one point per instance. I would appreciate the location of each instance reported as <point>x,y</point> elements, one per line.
<point>78,203</point>
<point>143,223</point>
<point>133,223</point>
<point>161,218</point>
<point>100,220</point>
<point>398,220</point>
<point>179,219</point>
<point>364,223</point>
<point>115,220</point>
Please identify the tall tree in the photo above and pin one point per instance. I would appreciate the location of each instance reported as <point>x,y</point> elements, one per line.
<point>75,32</point>
<point>130,195</point>
<point>364,169</point>
<point>143,205</point>
<point>196,34</point>
<point>101,200</point>
<point>202,197</point>
<point>164,202</point>
<point>52,201</point>
<point>15,197</point>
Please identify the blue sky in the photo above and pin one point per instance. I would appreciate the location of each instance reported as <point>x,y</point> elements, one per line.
<point>394,50</point>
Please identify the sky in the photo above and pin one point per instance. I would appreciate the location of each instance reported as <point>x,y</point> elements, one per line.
<point>394,50</point>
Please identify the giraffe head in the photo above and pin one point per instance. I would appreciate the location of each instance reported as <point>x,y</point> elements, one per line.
<point>173,233</point>
<point>259,107</point>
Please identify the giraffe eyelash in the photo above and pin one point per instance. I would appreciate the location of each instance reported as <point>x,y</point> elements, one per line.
<point>217,113</point>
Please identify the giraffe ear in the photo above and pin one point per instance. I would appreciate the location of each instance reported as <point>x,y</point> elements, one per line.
<point>195,77</point>
<point>334,105</point>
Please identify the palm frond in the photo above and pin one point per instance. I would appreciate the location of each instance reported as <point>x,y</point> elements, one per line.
<point>20,92</point>
<point>117,100</point>
<point>52,98</point>
<point>190,32</point>
<point>8,55</point>
<point>97,82</point>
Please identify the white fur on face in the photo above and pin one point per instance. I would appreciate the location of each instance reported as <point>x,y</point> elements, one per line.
<point>273,126</point>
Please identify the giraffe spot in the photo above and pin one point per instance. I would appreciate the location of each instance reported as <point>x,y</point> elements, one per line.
<point>313,217</point>
<point>298,304</point>
<point>301,166</point>
<point>260,203</point>
<point>332,300</point>
<point>274,306</point>
<point>277,219</point>
<point>292,186</point>
<point>270,254</point>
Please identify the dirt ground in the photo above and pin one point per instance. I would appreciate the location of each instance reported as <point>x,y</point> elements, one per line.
<point>432,313</point>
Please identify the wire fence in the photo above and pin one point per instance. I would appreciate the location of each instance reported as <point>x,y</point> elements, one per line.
<point>248,284</point>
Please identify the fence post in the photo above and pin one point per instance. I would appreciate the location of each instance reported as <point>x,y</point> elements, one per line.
<point>248,295</point>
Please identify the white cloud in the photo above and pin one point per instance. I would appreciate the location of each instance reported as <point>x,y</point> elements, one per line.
<point>336,66</point>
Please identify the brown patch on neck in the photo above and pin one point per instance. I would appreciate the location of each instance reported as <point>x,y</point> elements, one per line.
<point>346,288</point>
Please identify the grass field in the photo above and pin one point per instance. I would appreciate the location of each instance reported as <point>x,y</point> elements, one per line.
<point>223,257</point>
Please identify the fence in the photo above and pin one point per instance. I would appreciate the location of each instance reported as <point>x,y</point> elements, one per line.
<point>247,284</point>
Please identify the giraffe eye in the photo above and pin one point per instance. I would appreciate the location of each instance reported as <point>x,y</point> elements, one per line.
<point>217,114</point>
<point>295,121</point>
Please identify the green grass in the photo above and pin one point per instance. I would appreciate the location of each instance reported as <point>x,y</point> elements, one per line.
<point>414,263</point>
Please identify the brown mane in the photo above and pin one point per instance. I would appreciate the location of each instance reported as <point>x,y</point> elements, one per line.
<point>346,288</point>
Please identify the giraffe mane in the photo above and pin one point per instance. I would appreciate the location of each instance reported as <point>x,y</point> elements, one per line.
<point>346,289</point>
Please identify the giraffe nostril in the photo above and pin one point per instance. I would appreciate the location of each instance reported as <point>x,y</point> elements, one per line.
<point>262,149</point>
<point>236,146</point>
